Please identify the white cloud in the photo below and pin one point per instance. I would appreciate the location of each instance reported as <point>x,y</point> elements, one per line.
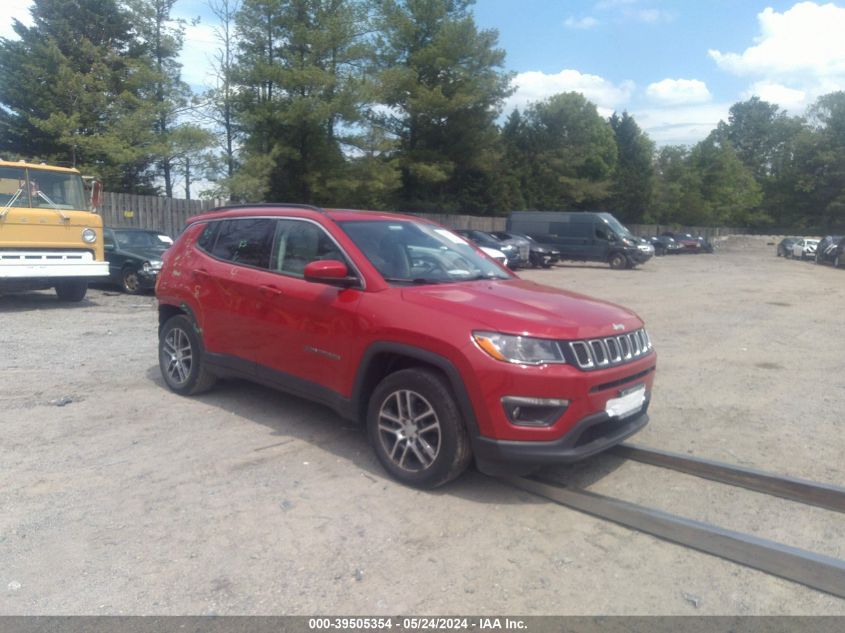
<point>798,55</point>
<point>536,86</point>
<point>633,10</point>
<point>198,54</point>
<point>785,97</point>
<point>10,11</point>
<point>679,91</point>
<point>586,22</point>
<point>681,125</point>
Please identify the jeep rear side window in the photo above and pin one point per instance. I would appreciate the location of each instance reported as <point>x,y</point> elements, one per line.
<point>245,241</point>
<point>206,240</point>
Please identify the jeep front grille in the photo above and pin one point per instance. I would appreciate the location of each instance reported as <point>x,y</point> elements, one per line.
<point>609,351</point>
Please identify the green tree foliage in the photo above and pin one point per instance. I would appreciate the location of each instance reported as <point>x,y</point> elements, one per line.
<point>72,91</point>
<point>300,66</point>
<point>633,177</point>
<point>561,152</point>
<point>157,45</point>
<point>441,83</point>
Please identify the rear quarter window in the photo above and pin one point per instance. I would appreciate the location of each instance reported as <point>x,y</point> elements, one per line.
<point>246,241</point>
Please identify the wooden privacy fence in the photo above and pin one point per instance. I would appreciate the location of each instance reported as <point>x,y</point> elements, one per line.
<point>151,212</point>
<point>170,214</point>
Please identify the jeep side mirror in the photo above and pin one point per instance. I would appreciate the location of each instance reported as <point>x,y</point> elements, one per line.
<point>331,272</point>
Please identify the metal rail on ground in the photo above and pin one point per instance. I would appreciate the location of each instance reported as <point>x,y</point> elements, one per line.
<point>808,568</point>
<point>808,492</point>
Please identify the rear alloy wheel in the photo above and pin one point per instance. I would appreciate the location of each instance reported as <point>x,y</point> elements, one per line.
<point>180,357</point>
<point>71,290</point>
<point>416,429</point>
<point>618,261</point>
<point>131,282</point>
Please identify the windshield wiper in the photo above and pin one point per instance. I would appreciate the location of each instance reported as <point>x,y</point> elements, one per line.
<point>480,276</point>
<point>11,202</point>
<point>55,207</point>
<point>419,281</point>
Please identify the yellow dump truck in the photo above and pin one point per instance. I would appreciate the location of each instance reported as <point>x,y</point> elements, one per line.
<point>50,233</point>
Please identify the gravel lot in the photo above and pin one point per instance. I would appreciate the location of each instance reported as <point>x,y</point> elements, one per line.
<point>118,497</point>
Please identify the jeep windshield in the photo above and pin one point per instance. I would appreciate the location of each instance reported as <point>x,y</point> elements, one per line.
<point>407,252</point>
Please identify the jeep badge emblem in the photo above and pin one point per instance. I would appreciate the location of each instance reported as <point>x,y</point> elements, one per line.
<point>617,327</point>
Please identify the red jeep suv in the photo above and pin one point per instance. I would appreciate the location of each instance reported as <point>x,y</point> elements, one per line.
<point>401,323</point>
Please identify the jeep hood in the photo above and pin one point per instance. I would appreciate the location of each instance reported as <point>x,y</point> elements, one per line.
<point>517,306</point>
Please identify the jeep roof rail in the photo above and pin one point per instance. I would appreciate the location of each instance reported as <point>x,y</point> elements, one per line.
<point>267,204</point>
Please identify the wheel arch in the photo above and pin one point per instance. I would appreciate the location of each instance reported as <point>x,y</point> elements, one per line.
<point>384,358</point>
<point>166,311</point>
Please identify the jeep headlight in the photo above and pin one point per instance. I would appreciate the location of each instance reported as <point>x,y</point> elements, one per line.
<point>89,236</point>
<point>519,349</point>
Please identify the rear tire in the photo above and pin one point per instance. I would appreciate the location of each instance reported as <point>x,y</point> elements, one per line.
<point>181,357</point>
<point>416,429</point>
<point>71,290</point>
<point>130,281</point>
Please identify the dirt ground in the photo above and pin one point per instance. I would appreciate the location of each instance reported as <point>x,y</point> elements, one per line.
<point>118,497</point>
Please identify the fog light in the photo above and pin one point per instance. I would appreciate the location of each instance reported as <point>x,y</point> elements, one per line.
<point>533,411</point>
<point>89,236</point>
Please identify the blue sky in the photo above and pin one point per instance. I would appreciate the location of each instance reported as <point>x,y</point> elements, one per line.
<point>676,65</point>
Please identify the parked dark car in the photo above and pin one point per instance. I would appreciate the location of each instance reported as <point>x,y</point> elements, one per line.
<point>826,249</point>
<point>784,248</point>
<point>482,238</point>
<point>688,243</point>
<point>134,257</point>
<point>665,245</point>
<point>538,255</point>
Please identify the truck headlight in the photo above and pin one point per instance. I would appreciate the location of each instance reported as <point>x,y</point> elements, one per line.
<point>519,349</point>
<point>89,236</point>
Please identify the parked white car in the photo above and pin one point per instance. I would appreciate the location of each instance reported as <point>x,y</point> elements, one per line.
<point>496,254</point>
<point>804,249</point>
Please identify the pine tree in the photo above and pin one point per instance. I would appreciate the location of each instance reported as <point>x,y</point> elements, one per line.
<point>442,84</point>
<point>70,86</point>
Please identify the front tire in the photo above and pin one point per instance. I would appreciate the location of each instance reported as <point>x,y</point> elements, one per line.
<point>416,429</point>
<point>71,290</point>
<point>618,261</point>
<point>180,357</point>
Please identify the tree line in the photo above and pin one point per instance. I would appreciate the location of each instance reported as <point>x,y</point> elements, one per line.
<point>387,104</point>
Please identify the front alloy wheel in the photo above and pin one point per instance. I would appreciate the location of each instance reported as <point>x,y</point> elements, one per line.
<point>416,428</point>
<point>409,430</point>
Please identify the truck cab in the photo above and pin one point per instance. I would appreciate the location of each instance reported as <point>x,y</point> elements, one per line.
<point>50,236</point>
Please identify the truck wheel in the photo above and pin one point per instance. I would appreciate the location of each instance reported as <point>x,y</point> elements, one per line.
<point>618,261</point>
<point>180,357</point>
<point>71,290</point>
<point>130,281</point>
<point>416,430</point>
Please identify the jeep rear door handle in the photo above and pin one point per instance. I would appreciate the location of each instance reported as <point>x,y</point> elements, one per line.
<point>199,273</point>
<point>269,291</point>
